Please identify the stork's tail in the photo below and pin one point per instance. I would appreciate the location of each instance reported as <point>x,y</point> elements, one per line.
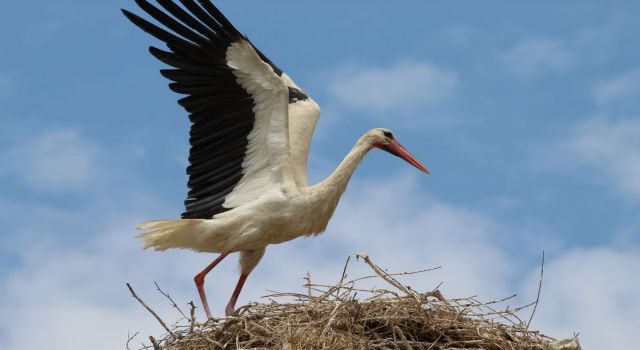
<point>165,234</point>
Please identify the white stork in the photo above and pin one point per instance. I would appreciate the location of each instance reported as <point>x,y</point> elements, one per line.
<point>251,126</point>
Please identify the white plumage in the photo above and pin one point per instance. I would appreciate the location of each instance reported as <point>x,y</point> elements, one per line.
<point>250,137</point>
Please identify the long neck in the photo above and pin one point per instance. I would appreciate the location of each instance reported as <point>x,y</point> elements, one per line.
<point>338,180</point>
<point>324,196</point>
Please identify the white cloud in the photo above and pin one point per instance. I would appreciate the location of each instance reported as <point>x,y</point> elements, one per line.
<point>623,89</point>
<point>593,292</point>
<point>534,56</point>
<point>53,159</point>
<point>74,296</point>
<point>604,148</point>
<point>404,230</point>
<point>404,86</point>
<point>610,148</point>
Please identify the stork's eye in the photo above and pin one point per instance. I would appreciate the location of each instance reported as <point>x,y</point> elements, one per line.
<point>388,134</point>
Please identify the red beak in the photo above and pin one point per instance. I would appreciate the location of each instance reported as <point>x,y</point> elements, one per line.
<point>397,149</point>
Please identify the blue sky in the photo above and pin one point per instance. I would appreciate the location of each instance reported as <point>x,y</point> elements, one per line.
<point>528,115</point>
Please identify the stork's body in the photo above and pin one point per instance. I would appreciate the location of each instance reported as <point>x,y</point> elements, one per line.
<point>250,136</point>
<point>284,214</point>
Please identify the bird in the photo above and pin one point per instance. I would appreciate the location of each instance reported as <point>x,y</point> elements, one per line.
<point>251,127</point>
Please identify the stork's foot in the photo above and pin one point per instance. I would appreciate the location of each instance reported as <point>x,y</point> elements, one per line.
<point>231,306</point>
<point>229,310</point>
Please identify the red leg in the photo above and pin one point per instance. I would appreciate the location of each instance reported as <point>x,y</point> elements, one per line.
<point>199,279</point>
<point>231,307</point>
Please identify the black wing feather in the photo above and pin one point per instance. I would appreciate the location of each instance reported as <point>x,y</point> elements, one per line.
<point>172,24</point>
<point>197,35</point>
<point>211,22</point>
<point>186,18</point>
<point>184,64</point>
<point>172,40</point>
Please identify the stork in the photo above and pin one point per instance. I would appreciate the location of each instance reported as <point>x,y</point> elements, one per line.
<point>251,127</point>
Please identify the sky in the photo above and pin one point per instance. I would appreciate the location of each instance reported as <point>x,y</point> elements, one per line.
<point>527,114</point>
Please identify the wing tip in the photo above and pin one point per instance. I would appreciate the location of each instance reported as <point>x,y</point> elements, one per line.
<point>127,13</point>
<point>135,19</point>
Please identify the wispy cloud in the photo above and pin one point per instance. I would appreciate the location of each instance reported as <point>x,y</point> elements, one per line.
<point>404,86</point>
<point>620,92</point>
<point>83,282</point>
<point>458,35</point>
<point>610,148</point>
<point>535,56</point>
<point>404,229</point>
<point>52,159</point>
<point>604,147</point>
<point>593,292</point>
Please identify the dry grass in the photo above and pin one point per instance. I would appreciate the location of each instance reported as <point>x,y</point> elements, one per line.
<point>331,317</point>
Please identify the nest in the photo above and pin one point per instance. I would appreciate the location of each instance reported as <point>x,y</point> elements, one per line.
<point>331,317</point>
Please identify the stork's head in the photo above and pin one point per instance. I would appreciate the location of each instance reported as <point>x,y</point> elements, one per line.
<point>385,139</point>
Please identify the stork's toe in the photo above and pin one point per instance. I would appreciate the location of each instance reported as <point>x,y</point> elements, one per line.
<point>229,310</point>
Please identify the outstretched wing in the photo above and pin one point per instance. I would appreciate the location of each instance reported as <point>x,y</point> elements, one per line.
<point>238,103</point>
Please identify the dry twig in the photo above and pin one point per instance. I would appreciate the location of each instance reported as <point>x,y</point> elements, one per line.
<point>130,338</point>
<point>173,303</point>
<point>150,310</point>
<point>153,340</point>
<point>192,319</point>
<point>539,289</point>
